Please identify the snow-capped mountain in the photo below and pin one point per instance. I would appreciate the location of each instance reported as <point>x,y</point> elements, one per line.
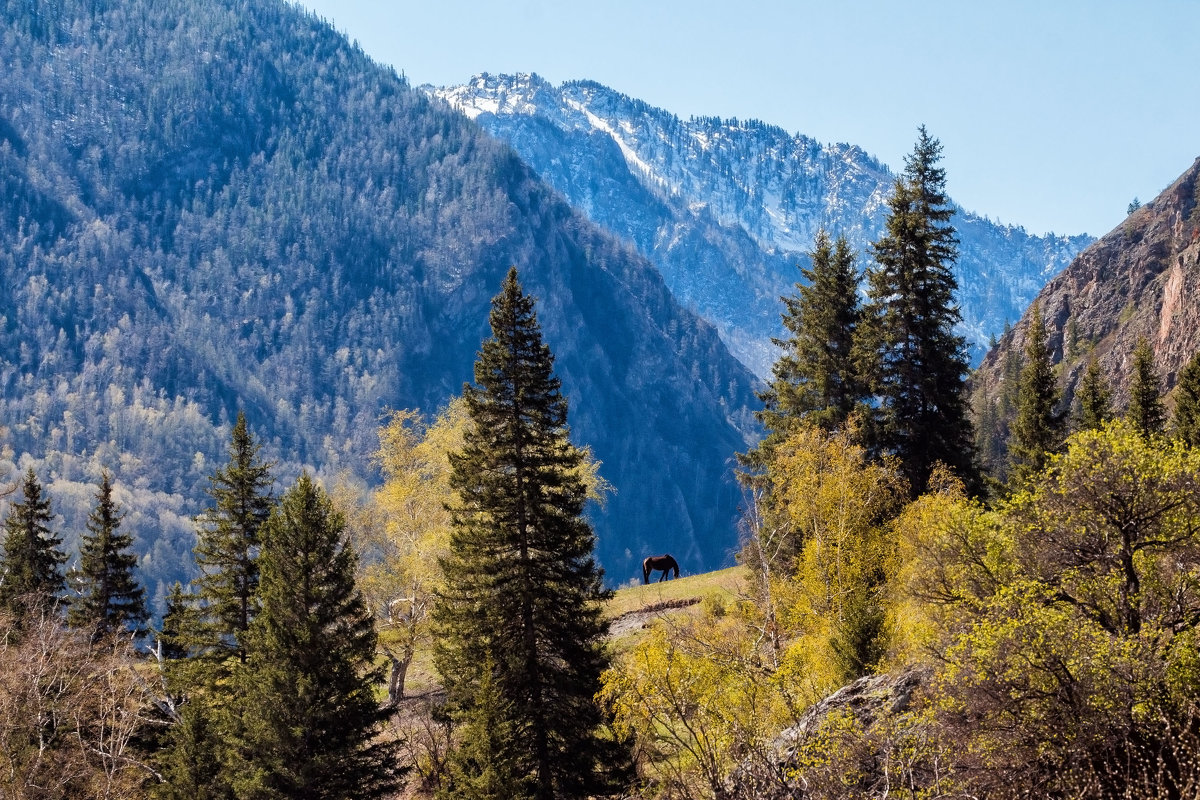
<point>727,209</point>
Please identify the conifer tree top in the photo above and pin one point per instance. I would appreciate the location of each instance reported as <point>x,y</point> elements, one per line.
<point>522,591</point>
<point>515,353</point>
<point>228,540</point>
<point>110,599</point>
<point>30,566</point>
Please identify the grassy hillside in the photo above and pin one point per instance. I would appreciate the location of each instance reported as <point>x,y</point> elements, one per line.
<point>636,597</point>
<point>633,607</point>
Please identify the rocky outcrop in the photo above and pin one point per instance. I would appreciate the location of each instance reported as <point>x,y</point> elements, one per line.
<point>1139,281</point>
<point>850,737</point>
<point>866,700</point>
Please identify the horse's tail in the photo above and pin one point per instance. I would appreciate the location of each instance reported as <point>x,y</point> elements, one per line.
<point>646,571</point>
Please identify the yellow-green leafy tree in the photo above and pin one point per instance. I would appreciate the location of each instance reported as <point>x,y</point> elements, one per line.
<point>834,502</point>
<point>1066,621</point>
<point>401,570</point>
<point>701,701</point>
<point>953,555</point>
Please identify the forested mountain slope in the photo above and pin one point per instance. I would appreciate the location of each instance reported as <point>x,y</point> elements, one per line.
<point>220,205</point>
<point>1137,282</point>
<point>727,209</point>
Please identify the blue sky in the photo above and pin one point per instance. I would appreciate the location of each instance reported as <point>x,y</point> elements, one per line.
<point>1053,114</point>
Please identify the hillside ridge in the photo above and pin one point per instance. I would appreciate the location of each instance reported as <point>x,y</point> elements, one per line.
<point>1130,284</point>
<point>225,206</point>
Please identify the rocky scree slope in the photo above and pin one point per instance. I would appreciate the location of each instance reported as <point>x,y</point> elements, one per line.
<point>727,209</point>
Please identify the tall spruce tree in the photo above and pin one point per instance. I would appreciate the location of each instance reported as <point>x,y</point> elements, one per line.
<point>915,364</point>
<point>210,625</point>
<point>483,767</point>
<point>815,377</point>
<point>227,546</point>
<point>31,578</point>
<point>109,598</point>
<point>1146,410</point>
<point>1095,400</point>
<point>1040,427</point>
<point>309,724</point>
<point>1186,424</point>
<point>522,588</point>
<point>175,624</point>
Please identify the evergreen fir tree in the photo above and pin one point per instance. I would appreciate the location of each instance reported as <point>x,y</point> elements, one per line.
<point>815,378</point>
<point>1094,400</point>
<point>227,547</point>
<point>210,625</point>
<point>915,363</point>
<point>309,723</point>
<point>522,585</point>
<point>110,599</point>
<point>482,767</point>
<point>1146,410</point>
<point>191,763</point>
<point>1039,429</point>
<point>1187,403</point>
<point>30,568</point>
<point>176,623</point>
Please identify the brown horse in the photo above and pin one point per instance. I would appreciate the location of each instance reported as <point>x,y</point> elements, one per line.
<point>664,563</point>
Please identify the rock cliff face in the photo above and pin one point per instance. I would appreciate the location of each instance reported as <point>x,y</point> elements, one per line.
<point>1142,280</point>
<point>728,209</point>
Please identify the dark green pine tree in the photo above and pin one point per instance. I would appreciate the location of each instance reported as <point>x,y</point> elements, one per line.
<point>1095,400</point>
<point>109,598</point>
<point>187,749</point>
<point>483,767</point>
<point>1040,426</point>
<point>309,721</point>
<point>176,623</point>
<point>521,584</point>
<point>915,364</point>
<point>815,378</point>
<point>1146,410</point>
<point>1187,403</point>
<point>210,625</point>
<point>31,578</point>
<point>227,546</point>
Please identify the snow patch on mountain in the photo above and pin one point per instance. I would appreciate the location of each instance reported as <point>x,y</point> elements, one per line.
<point>729,208</point>
<point>630,154</point>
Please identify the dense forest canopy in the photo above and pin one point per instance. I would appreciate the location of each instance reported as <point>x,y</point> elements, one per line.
<point>224,206</point>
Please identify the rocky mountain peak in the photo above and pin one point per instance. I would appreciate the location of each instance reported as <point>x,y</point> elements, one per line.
<point>727,209</point>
